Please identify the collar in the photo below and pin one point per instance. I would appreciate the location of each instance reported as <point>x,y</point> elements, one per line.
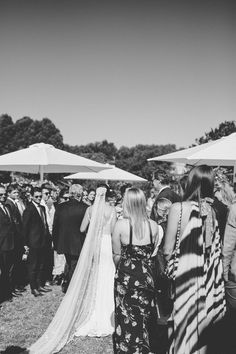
<point>35,204</point>
<point>43,203</point>
<point>163,189</point>
<point>13,201</point>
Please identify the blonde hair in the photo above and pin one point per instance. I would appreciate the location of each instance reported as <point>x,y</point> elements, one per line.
<point>225,193</point>
<point>134,208</point>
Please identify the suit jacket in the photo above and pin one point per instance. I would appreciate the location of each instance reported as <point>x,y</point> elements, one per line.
<point>16,217</point>
<point>7,232</point>
<point>168,194</point>
<point>66,233</point>
<point>35,231</point>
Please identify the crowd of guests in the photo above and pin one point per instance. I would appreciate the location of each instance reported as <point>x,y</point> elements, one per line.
<point>192,232</point>
<point>35,222</point>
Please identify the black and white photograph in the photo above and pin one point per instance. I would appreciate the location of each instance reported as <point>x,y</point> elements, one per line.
<point>118,177</point>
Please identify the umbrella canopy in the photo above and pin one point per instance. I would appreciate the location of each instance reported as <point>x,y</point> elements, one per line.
<point>111,174</point>
<point>221,152</point>
<point>44,158</point>
<point>182,156</point>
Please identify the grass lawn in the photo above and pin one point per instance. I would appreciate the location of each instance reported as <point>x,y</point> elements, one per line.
<point>26,318</point>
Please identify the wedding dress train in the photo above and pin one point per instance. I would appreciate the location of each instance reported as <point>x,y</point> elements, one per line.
<point>87,307</point>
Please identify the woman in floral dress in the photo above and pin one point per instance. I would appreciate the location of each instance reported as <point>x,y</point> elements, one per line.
<point>133,245</point>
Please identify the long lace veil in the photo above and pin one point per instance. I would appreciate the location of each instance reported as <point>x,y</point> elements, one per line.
<point>78,303</point>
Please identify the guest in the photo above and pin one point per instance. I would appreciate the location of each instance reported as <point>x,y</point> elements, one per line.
<point>224,196</point>
<point>133,244</point>
<point>182,185</point>
<point>91,196</point>
<point>229,258</point>
<point>161,184</point>
<point>37,237</point>
<point>7,249</point>
<point>85,196</point>
<point>67,237</point>
<point>59,259</point>
<point>11,203</point>
<point>47,203</point>
<point>151,200</point>
<point>64,196</point>
<point>199,289</point>
<point>161,209</point>
<point>119,201</point>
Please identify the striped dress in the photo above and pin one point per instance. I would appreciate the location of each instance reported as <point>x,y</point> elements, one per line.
<point>199,288</point>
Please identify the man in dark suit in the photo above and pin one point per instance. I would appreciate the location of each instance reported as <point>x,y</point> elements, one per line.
<point>7,245</point>
<point>11,204</point>
<point>67,238</point>
<point>36,235</point>
<point>161,183</point>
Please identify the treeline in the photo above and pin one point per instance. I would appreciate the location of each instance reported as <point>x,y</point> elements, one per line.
<point>26,131</point>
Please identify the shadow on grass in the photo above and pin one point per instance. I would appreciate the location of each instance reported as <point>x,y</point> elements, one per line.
<point>12,349</point>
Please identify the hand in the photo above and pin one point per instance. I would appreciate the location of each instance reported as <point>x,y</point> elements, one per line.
<point>26,249</point>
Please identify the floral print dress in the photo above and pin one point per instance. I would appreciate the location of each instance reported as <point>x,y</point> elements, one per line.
<point>135,310</point>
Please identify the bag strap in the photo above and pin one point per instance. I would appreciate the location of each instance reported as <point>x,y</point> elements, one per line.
<point>177,244</point>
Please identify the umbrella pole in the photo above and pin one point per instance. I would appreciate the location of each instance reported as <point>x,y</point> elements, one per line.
<point>234,174</point>
<point>41,173</point>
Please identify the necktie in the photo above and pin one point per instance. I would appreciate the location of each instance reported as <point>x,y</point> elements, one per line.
<point>6,211</point>
<point>42,216</point>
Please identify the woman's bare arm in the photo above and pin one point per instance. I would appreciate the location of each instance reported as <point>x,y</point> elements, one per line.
<point>86,220</point>
<point>116,242</point>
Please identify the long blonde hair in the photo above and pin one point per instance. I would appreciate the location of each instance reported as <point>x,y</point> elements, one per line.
<point>134,208</point>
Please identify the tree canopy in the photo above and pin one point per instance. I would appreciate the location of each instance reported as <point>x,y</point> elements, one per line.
<point>26,131</point>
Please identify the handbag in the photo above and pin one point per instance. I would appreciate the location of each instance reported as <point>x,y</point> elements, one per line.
<point>165,280</point>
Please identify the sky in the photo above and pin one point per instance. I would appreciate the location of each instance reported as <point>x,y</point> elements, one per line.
<point>129,71</point>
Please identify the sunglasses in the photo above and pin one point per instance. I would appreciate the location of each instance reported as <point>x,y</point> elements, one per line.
<point>38,197</point>
<point>2,194</point>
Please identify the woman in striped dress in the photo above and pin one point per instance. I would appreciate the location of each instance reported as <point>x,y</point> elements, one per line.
<point>199,300</point>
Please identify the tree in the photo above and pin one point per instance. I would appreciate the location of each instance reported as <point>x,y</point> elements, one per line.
<point>103,152</point>
<point>7,131</point>
<point>226,128</point>
<point>135,161</point>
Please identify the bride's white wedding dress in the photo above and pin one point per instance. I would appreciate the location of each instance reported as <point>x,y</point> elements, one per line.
<point>101,321</point>
<point>88,305</point>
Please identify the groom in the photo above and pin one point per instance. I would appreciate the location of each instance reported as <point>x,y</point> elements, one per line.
<point>67,238</point>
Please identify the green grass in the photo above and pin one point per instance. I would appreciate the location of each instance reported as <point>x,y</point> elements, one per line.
<point>26,318</point>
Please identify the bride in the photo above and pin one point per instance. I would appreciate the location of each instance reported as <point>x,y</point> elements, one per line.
<point>88,306</point>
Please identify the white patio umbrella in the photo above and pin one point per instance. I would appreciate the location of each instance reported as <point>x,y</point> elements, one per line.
<point>111,174</point>
<point>221,152</point>
<point>182,156</point>
<point>44,158</point>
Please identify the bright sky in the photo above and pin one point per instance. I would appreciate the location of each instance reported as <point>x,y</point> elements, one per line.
<point>129,71</point>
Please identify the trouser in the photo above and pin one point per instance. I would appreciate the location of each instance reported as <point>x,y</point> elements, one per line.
<point>230,294</point>
<point>59,264</point>
<point>6,269</point>
<point>48,264</point>
<point>36,267</point>
<point>18,269</point>
<point>71,262</point>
